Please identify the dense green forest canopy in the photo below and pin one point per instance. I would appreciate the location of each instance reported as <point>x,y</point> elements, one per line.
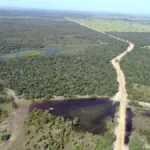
<point>83,70</point>
<point>87,73</point>
<point>38,33</point>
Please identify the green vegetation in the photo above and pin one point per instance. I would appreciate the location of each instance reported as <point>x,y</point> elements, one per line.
<point>5,109</point>
<point>136,66</point>
<point>4,136</point>
<point>83,70</point>
<point>141,129</point>
<point>147,47</point>
<point>87,73</point>
<point>24,53</point>
<point>39,32</point>
<point>5,103</point>
<point>106,25</point>
<point>44,131</point>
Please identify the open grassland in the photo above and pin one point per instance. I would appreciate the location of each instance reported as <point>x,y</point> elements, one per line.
<point>136,66</point>
<point>105,25</point>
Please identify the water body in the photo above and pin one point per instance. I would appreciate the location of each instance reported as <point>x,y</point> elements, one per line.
<point>53,50</point>
<point>92,113</point>
<point>45,51</point>
<point>129,118</point>
<point>17,53</point>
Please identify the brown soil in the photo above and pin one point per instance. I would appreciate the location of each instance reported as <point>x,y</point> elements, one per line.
<point>14,125</point>
<point>122,96</point>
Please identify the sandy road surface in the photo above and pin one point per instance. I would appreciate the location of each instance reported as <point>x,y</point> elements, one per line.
<point>122,96</point>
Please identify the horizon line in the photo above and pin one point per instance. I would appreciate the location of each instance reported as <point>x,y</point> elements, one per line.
<point>74,10</point>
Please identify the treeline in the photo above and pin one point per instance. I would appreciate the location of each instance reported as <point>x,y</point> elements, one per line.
<point>68,75</point>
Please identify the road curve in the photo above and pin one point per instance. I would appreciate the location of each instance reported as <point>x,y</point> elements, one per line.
<point>121,95</point>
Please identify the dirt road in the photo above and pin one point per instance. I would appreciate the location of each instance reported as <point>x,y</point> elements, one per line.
<point>122,96</point>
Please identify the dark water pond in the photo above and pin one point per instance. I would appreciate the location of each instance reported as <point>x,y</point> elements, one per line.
<point>92,113</point>
<point>129,118</point>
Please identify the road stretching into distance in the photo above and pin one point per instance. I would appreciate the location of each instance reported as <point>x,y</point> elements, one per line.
<point>121,95</point>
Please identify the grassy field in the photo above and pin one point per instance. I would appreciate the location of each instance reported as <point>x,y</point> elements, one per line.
<point>105,25</point>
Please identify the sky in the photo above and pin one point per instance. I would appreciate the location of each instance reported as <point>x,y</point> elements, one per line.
<point>121,6</point>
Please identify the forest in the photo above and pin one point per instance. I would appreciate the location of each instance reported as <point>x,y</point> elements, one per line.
<point>41,32</point>
<point>85,69</point>
<point>86,73</point>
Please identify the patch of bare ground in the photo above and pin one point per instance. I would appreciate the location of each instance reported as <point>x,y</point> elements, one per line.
<point>14,125</point>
